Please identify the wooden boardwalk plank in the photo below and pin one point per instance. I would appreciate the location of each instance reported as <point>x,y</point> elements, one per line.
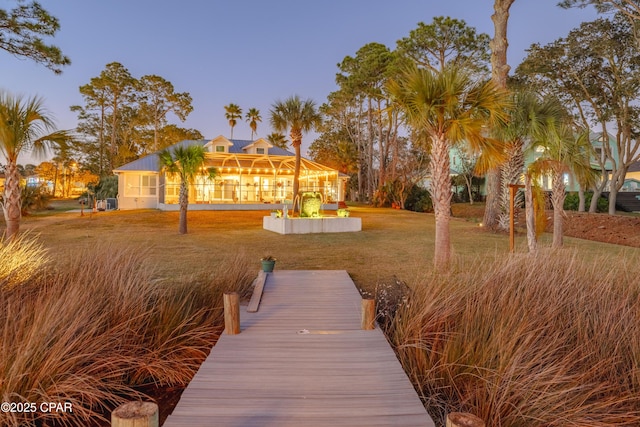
<point>302,360</point>
<point>258,288</point>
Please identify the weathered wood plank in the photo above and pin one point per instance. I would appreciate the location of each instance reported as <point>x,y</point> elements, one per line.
<point>258,288</point>
<point>302,359</point>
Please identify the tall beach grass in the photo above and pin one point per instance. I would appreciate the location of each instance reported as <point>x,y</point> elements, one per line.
<point>550,340</point>
<point>89,330</point>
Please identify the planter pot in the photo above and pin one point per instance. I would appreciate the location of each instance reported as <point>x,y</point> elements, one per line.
<point>267,266</point>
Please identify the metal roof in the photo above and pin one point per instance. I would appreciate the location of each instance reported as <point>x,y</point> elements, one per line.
<point>150,163</point>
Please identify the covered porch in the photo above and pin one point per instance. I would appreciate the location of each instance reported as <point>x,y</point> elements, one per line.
<point>253,181</point>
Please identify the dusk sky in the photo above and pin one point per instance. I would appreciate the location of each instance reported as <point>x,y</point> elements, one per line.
<point>249,52</point>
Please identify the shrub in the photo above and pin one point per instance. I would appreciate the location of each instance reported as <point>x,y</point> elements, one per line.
<point>34,198</point>
<point>550,340</point>
<point>99,325</point>
<point>572,201</point>
<point>107,187</point>
<point>419,200</point>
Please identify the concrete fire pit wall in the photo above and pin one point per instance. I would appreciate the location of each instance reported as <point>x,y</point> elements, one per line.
<point>311,225</point>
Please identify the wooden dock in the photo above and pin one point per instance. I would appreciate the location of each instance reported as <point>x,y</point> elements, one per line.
<point>302,360</point>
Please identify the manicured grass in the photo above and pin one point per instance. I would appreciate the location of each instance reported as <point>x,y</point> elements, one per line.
<point>393,243</point>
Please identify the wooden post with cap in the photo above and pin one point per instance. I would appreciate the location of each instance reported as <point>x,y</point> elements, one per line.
<point>462,419</point>
<point>231,313</point>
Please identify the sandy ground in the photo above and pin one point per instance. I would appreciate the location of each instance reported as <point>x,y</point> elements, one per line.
<point>618,229</point>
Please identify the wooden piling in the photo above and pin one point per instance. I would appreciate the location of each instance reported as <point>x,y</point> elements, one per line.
<point>231,313</point>
<point>135,414</point>
<point>461,419</point>
<point>368,317</point>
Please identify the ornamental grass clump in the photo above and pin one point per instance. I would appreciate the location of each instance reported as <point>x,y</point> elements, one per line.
<point>94,328</point>
<point>21,259</point>
<point>547,340</point>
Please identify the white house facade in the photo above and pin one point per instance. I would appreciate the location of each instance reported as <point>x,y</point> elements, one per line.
<point>250,175</point>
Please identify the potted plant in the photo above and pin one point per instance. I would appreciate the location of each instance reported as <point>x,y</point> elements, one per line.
<point>268,263</point>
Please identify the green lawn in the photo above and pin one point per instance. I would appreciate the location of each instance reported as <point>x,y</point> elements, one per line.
<point>392,242</point>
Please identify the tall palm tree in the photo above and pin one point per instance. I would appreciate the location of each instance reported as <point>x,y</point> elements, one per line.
<point>530,120</point>
<point>564,153</point>
<point>253,117</point>
<point>24,126</point>
<point>298,116</point>
<point>187,163</point>
<point>448,108</point>
<point>233,112</point>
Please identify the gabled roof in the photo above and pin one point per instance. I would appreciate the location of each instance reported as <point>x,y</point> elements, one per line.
<point>151,162</point>
<point>257,142</point>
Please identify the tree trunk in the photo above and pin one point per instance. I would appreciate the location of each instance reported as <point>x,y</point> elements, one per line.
<point>296,141</point>
<point>11,205</point>
<point>101,138</point>
<point>500,43</point>
<point>597,192</point>
<point>581,199</point>
<point>114,127</point>
<point>557,200</point>
<point>493,200</point>
<point>184,205</point>
<point>440,188</point>
<point>499,73</point>
<point>370,176</point>
<point>617,181</point>
<point>510,173</point>
<point>530,215</point>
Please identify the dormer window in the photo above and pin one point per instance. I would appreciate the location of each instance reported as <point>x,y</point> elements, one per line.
<point>260,150</point>
<point>220,149</point>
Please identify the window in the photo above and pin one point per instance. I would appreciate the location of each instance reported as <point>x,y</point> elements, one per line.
<point>140,185</point>
<point>259,150</point>
<point>220,149</point>
<point>148,185</point>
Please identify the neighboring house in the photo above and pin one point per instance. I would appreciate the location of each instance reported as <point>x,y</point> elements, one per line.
<point>632,179</point>
<point>250,174</point>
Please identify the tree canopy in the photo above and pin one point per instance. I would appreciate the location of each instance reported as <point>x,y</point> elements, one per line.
<point>124,118</point>
<point>21,34</point>
<point>595,70</point>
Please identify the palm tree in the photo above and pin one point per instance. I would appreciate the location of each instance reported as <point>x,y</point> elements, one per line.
<point>564,153</point>
<point>233,113</point>
<point>253,117</point>
<point>187,163</point>
<point>448,108</point>
<point>299,116</point>
<point>24,126</point>
<point>530,119</point>
<point>278,139</point>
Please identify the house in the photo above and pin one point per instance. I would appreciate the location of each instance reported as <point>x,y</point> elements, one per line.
<point>250,175</point>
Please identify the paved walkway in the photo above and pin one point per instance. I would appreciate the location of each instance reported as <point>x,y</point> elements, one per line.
<point>302,360</point>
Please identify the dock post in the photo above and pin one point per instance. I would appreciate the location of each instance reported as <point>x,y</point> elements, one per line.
<point>368,317</point>
<point>461,419</point>
<point>135,414</point>
<point>231,313</point>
